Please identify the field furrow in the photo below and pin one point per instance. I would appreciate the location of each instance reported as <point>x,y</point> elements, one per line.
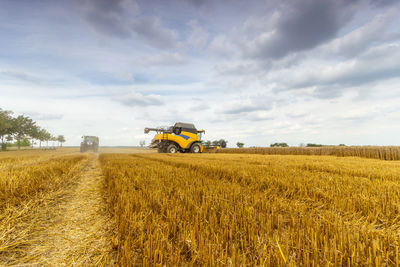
<point>53,213</point>
<point>230,209</point>
<point>199,210</point>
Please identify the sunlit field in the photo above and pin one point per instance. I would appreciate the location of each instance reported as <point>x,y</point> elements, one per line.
<point>374,152</point>
<point>133,208</point>
<point>220,209</point>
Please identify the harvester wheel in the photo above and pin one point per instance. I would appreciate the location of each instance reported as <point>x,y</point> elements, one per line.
<point>195,148</point>
<point>172,149</point>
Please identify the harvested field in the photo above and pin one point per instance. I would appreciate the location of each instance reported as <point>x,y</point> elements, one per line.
<point>67,208</point>
<point>220,209</point>
<point>53,211</point>
<point>373,152</point>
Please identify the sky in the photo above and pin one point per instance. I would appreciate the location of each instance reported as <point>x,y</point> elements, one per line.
<point>258,72</point>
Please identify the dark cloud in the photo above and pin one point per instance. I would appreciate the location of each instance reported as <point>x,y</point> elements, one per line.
<point>381,3</point>
<point>107,17</point>
<point>358,40</point>
<point>301,26</point>
<point>133,99</point>
<point>121,19</point>
<point>196,3</point>
<point>151,31</point>
<point>377,64</point>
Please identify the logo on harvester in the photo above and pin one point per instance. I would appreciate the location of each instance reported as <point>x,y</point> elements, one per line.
<point>183,136</point>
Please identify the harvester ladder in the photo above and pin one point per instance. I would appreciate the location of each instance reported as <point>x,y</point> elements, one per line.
<point>165,136</point>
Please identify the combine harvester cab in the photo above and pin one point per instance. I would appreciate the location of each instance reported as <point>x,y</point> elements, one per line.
<point>182,137</point>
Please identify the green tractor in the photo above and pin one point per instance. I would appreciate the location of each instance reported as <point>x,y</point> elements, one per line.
<point>90,143</point>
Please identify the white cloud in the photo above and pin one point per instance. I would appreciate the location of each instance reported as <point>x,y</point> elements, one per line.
<point>381,62</point>
<point>222,46</point>
<point>164,59</point>
<point>198,37</point>
<point>360,38</point>
<point>144,65</point>
<point>133,99</point>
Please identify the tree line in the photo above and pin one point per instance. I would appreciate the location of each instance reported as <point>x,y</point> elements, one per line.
<point>23,130</point>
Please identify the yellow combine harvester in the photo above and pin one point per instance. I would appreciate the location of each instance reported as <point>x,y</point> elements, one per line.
<point>182,137</point>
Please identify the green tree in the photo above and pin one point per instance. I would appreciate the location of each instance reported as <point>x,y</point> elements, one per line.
<point>43,134</point>
<point>21,127</point>
<point>240,145</point>
<point>61,139</point>
<point>25,142</point>
<point>279,145</point>
<point>34,134</point>
<point>314,145</point>
<point>47,138</point>
<point>53,139</point>
<point>5,126</point>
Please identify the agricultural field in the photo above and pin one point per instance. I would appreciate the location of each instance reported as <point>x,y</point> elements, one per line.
<point>372,152</point>
<point>149,209</point>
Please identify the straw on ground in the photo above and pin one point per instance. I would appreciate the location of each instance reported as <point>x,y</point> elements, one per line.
<point>68,226</point>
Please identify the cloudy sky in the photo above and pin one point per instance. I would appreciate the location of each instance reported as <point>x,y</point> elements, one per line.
<point>259,72</point>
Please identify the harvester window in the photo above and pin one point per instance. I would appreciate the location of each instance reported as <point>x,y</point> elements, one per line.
<point>190,130</point>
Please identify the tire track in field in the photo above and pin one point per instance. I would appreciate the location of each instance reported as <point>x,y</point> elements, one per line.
<point>80,232</point>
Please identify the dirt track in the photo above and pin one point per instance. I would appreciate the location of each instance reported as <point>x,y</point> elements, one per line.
<point>79,231</point>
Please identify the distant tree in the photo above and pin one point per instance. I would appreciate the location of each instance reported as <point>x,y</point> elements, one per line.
<point>21,127</point>
<point>279,145</point>
<point>61,139</point>
<point>5,126</point>
<point>43,134</point>
<point>47,137</point>
<point>53,139</point>
<point>142,143</point>
<point>34,133</point>
<point>25,142</point>
<point>240,145</point>
<point>314,145</point>
<point>342,145</point>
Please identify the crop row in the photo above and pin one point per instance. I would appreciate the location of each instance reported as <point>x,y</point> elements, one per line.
<point>24,188</point>
<point>375,152</point>
<point>250,209</point>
